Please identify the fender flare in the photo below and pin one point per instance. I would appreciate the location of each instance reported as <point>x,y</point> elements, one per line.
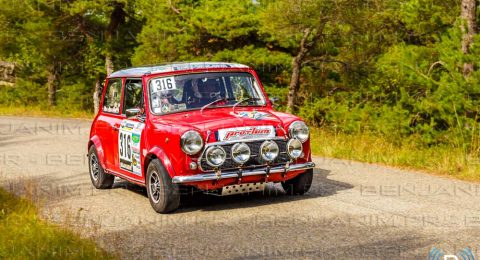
<point>95,140</point>
<point>159,153</point>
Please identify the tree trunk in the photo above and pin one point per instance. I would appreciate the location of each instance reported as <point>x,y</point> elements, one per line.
<point>469,29</point>
<point>52,84</point>
<point>96,96</point>
<point>297,62</point>
<point>116,18</point>
<point>306,45</point>
<point>294,83</point>
<point>96,89</point>
<point>109,64</point>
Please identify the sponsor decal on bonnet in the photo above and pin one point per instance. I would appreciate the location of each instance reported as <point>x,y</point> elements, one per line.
<point>253,114</point>
<point>244,133</point>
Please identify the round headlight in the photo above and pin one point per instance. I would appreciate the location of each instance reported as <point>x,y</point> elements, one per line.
<point>240,153</point>
<point>294,148</point>
<point>191,142</point>
<point>299,130</point>
<point>269,151</point>
<point>215,156</point>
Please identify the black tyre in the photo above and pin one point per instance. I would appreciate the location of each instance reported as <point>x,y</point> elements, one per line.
<point>100,179</point>
<point>300,184</point>
<point>164,195</point>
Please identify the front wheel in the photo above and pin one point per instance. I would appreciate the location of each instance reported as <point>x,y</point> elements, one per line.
<point>99,178</point>
<point>300,184</point>
<point>164,195</point>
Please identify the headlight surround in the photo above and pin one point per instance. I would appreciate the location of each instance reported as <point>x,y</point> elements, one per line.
<point>299,130</point>
<point>240,153</point>
<point>294,148</point>
<point>191,142</point>
<point>269,151</point>
<point>215,156</point>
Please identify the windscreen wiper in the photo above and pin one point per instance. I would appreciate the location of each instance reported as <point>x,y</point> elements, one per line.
<point>243,101</point>
<point>215,102</point>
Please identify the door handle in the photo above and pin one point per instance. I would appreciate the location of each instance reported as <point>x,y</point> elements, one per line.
<point>115,127</point>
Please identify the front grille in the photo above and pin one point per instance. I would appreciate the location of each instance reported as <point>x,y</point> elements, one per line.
<point>255,158</point>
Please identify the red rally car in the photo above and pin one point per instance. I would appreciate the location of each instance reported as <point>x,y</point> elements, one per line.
<point>202,124</point>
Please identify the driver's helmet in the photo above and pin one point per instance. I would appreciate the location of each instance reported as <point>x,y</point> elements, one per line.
<point>209,88</point>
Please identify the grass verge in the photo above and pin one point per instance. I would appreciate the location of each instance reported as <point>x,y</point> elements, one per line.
<point>39,111</point>
<point>439,160</point>
<point>23,235</point>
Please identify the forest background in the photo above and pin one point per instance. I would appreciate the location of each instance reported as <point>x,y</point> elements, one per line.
<point>386,81</point>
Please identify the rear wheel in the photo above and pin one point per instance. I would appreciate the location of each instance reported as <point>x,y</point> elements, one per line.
<point>164,195</point>
<point>300,184</point>
<point>99,178</point>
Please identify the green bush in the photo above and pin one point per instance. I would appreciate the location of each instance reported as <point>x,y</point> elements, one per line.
<point>24,93</point>
<point>279,93</point>
<point>416,92</point>
<point>77,97</point>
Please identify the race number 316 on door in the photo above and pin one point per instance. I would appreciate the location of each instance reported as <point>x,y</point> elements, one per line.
<point>129,139</point>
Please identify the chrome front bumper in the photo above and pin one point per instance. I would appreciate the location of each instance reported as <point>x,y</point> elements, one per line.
<point>244,173</point>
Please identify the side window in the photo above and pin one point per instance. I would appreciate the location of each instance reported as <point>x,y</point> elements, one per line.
<point>133,94</point>
<point>111,101</point>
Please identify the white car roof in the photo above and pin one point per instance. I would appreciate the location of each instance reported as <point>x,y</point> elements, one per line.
<point>144,70</point>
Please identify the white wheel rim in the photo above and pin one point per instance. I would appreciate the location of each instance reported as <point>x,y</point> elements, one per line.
<point>155,187</point>
<point>94,167</point>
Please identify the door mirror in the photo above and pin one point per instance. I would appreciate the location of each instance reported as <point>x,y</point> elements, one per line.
<point>274,101</point>
<point>132,112</point>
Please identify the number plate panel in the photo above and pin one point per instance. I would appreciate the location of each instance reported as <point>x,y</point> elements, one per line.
<point>129,139</point>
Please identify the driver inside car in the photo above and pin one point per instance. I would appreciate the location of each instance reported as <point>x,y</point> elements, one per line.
<point>203,91</point>
<point>210,90</point>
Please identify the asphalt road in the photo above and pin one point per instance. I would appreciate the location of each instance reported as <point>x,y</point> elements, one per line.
<point>353,211</point>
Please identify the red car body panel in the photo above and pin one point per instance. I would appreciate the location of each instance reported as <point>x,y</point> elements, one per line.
<point>161,134</point>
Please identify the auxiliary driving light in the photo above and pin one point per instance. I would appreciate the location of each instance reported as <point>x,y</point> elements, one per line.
<point>215,156</point>
<point>294,148</point>
<point>269,151</point>
<point>240,153</point>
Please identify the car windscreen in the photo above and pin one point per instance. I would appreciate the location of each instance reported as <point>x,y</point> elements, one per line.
<point>194,91</point>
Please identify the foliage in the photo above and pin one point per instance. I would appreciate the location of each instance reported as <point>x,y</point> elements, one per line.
<point>391,69</point>
<point>208,30</point>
